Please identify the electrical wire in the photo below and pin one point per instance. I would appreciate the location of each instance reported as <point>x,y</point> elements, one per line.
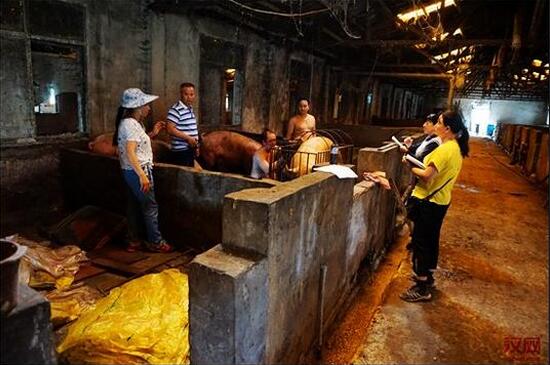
<point>297,25</point>
<point>285,15</point>
<point>343,22</point>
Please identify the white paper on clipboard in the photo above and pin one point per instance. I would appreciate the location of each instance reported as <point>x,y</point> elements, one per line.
<point>415,161</point>
<point>398,142</point>
<point>343,172</point>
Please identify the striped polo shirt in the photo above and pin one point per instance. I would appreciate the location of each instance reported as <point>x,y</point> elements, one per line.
<point>184,119</point>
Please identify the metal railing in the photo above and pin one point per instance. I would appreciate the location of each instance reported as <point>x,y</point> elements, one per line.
<point>287,163</point>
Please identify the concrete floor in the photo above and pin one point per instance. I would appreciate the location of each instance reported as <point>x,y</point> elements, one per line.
<point>492,282</point>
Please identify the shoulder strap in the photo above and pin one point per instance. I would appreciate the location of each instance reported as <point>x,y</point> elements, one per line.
<point>437,191</point>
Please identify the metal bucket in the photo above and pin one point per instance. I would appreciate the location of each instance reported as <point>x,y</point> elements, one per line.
<point>11,254</point>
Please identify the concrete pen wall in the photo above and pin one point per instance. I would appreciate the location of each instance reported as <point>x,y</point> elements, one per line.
<point>190,202</point>
<point>256,298</point>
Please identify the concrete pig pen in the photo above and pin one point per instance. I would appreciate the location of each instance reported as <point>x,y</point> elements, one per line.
<point>258,296</point>
<point>190,202</point>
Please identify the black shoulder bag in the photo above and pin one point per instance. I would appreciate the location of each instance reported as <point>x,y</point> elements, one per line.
<point>414,203</point>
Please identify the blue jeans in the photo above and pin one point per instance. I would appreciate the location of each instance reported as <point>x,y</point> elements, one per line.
<point>142,207</point>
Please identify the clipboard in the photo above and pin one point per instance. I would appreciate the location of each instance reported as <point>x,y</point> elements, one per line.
<point>399,143</point>
<point>415,161</point>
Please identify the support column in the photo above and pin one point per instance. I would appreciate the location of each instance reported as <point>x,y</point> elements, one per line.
<point>227,308</point>
<point>451,94</point>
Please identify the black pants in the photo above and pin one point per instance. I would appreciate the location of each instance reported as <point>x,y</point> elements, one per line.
<point>427,218</point>
<point>183,158</point>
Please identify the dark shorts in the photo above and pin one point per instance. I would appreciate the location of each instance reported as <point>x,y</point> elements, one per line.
<point>183,158</point>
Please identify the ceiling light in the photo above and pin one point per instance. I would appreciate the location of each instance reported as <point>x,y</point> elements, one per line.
<point>546,65</point>
<point>454,52</point>
<point>524,78</point>
<point>536,63</point>
<point>536,74</point>
<point>516,77</point>
<point>542,77</point>
<point>525,71</point>
<point>441,37</point>
<point>422,11</point>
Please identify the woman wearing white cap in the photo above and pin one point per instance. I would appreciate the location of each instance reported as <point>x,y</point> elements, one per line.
<point>136,161</point>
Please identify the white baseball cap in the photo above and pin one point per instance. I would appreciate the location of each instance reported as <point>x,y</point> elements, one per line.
<point>134,98</point>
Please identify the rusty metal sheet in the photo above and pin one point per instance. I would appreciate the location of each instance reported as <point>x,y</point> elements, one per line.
<point>89,228</point>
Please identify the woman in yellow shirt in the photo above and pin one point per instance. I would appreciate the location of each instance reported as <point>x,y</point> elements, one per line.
<point>430,200</point>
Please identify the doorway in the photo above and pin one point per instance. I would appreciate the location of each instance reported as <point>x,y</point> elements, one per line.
<point>480,120</point>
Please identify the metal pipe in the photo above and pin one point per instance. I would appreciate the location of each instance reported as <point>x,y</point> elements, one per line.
<point>421,34</point>
<point>404,75</point>
<point>321,307</point>
<point>450,43</point>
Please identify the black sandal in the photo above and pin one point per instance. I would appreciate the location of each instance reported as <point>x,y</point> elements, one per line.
<point>416,293</point>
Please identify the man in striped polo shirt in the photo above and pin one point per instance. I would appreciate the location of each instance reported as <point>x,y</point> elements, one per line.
<point>182,127</point>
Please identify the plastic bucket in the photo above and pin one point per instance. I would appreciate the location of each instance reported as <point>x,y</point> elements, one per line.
<point>11,254</point>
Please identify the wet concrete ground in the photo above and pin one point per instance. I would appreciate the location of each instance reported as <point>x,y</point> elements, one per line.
<point>491,300</point>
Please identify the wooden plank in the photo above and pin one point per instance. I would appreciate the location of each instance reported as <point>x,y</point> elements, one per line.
<point>117,266</point>
<point>88,270</point>
<point>532,150</point>
<point>155,259</point>
<point>151,260</point>
<point>183,260</point>
<point>117,254</point>
<point>542,160</point>
<point>105,282</point>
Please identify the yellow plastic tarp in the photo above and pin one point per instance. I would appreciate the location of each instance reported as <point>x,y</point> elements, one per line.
<point>143,321</point>
<point>67,305</point>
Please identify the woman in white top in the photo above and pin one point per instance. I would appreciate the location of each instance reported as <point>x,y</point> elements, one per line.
<point>136,161</point>
<point>428,144</point>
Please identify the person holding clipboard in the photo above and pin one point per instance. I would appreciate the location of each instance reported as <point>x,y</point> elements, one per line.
<point>421,149</point>
<point>430,200</point>
<point>416,151</point>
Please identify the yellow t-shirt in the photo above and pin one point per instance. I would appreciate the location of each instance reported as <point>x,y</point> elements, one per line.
<point>448,162</point>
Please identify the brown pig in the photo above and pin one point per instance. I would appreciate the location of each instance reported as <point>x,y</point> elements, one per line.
<point>227,151</point>
<point>103,145</point>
